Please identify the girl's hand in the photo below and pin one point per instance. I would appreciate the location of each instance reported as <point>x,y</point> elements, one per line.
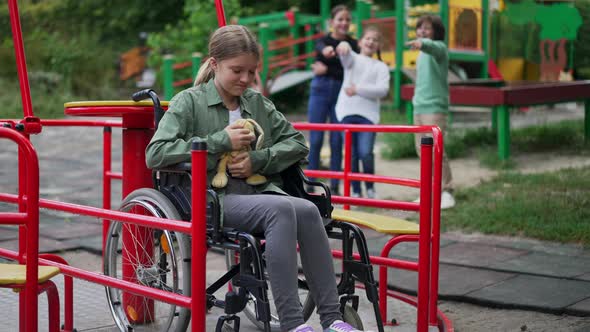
<point>239,136</point>
<point>328,52</point>
<point>415,44</point>
<point>351,90</point>
<point>319,68</point>
<point>240,165</point>
<point>343,48</point>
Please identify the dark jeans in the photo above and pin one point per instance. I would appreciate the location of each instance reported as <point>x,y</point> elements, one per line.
<point>321,107</point>
<point>362,150</point>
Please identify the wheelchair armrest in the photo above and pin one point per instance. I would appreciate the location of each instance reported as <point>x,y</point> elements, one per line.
<point>293,183</point>
<point>174,181</point>
<point>180,167</point>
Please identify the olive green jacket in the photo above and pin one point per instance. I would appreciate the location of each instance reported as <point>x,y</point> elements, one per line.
<point>198,114</point>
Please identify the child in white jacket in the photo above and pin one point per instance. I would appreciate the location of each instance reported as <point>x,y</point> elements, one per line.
<point>366,81</point>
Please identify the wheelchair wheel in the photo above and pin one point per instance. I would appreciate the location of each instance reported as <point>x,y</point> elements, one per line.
<point>232,258</point>
<point>153,257</point>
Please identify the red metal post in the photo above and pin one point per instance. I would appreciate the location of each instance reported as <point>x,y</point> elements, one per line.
<point>425,233</point>
<point>435,250</point>
<point>137,175</point>
<point>106,180</point>
<point>220,13</point>
<point>347,164</point>
<point>28,202</point>
<point>21,62</point>
<point>68,293</point>
<point>383,271</point>
<point>199,228</point>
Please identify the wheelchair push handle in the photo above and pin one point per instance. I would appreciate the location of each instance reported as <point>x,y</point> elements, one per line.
<point>151,94</point>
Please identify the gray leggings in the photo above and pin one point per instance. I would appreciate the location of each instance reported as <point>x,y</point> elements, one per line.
<point>286,221</point>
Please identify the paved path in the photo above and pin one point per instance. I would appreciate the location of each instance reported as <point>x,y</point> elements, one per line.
<point>487,270</point>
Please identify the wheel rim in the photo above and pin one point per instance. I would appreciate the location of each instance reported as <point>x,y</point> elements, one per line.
<point>158,265</point>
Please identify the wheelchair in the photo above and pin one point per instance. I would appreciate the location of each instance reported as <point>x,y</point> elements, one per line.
<point>163,261</point>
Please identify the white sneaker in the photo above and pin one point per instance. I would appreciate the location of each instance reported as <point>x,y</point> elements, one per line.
<point>417,200</point>
<point>447,200</point>
<point>371,193</point>
<point>355,195</point>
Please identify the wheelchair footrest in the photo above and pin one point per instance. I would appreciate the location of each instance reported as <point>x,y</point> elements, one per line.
<point>226,320</point>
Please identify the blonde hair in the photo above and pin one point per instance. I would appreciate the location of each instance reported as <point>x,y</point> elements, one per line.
<point>227,42</point>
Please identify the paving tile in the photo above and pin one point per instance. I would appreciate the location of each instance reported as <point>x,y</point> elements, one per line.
<point>519,243</point>
<point>580,308</point>
<point>534,292</point>
<point>72,229</point>
<point>8,233</point>
<point>45,245</point>
<point>453,280</point>
<point>92,244</point>
<point>546,264</point>
<point>474,254</point>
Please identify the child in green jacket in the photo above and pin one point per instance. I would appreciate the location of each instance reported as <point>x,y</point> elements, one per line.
<point>431,94</point>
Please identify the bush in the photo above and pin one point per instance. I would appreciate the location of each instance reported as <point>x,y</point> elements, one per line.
<point>582,43</point>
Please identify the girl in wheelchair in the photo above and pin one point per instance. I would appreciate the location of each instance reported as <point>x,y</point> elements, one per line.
<point>206,112</point>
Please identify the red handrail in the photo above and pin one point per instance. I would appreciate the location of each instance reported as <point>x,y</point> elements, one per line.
<point>28,216</point>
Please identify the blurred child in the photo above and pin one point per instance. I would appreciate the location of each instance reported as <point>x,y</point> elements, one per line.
<point>325,86</point>
<point>366,81</point>
<point>431,94</point>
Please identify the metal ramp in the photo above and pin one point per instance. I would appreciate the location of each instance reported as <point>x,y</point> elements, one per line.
<point>288,80</point>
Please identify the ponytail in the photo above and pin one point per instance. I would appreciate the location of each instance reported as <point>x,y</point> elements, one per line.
<point>205,72</point>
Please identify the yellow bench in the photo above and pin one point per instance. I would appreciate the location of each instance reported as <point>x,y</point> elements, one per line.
<point>16,274</point>
<point>378,223</point>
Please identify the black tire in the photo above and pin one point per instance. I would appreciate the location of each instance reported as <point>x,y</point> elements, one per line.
<point>163,265</point>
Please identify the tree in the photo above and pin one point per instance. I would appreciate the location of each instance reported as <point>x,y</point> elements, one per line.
<point>559,23</point>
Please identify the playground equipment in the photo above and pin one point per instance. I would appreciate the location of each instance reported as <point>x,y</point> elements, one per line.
<point>159,279</point>
<point>287,40</point>
<point>556,23</point>
<point>502,96</point>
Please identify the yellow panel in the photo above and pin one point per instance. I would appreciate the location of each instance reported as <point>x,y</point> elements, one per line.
<point>379,223</point>
<point>15,274</point>
<point>512,69</point>
<point>531,71</point>
<point>410,58</point>
<point>454,13</point>
<point>111,103</point>
<point>471,4</point>
<point>388,58</point>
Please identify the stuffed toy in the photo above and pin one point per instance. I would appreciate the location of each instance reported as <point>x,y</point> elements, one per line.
<point>220,178</point>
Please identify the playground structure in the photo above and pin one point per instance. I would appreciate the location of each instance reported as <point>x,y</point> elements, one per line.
<point>473,36</point>
<point>137,126</point>
<point>287,40</point>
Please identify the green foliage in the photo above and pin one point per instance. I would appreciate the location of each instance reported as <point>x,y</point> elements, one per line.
<point>190,34</point>
<point>549,206</point>
<point>582,43</point>
<point>72,48</point>
<point>562,136</point>
<point>515,40</point>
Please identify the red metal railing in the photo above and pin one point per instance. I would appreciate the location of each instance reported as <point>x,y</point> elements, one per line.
<point>428,208</point>
<point>27,216</point>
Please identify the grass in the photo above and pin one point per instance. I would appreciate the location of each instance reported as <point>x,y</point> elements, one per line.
<point>565,136</point>
<point>548,206</point>
<point>551,206</point>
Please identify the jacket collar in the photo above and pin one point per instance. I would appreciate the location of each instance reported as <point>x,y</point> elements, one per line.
<point>213,97</point>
